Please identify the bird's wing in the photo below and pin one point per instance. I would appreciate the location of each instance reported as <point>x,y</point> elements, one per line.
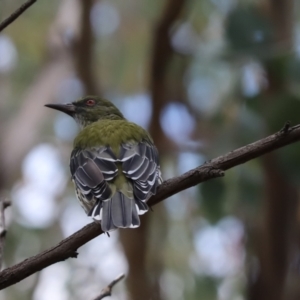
<point>91,169</point>
<point>141,165</point>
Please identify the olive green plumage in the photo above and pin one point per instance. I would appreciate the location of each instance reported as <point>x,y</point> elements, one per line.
<point>114,164</point>
<point>112,133</point>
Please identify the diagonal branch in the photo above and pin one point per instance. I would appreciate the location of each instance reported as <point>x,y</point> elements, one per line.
<point>16,14</point>
<point>107,290</point>
<point>215,168</point>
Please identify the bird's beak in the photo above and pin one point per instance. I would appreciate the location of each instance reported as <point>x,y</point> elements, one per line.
<point>68,108</point>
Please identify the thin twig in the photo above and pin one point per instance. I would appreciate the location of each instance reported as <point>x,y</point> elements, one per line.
<point>3,204</point>
<point>286,127</point>
<point>215,168</point>
<point>16,14</point>
<point>107,290</point>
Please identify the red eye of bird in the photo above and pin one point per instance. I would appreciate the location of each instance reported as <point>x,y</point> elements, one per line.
<point>90,102</point>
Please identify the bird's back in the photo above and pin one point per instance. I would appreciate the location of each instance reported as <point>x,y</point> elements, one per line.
<point>115,168</point>
<point>111,133</point>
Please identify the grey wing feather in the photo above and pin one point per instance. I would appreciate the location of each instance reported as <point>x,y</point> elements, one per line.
<point>140,164</point>
<point>90,170</point>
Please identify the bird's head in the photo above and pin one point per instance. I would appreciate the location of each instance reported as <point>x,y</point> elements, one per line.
<point>89,109</point>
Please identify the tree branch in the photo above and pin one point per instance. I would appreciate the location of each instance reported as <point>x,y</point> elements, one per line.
<point>16,14</point>
<point>3,205</point>
<point>107,290</point>
<point>83,47</point>
<point>215,168</point>
<point>162,54</point>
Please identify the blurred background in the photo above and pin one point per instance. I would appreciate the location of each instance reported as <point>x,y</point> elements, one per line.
<point>204,77</point>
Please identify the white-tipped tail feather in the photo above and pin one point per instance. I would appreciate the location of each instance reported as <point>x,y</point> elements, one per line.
<point>118,212</point>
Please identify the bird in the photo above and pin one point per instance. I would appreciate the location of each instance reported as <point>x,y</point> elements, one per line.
<point>114,163</point>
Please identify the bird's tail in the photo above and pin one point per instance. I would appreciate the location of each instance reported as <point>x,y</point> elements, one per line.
<point>121,212</point>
